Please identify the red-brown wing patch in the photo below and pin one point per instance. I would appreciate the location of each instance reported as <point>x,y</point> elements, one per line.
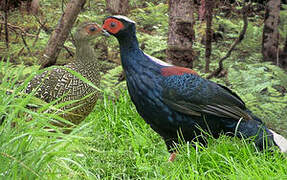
<point>175,70</point>
<point>113,25</point>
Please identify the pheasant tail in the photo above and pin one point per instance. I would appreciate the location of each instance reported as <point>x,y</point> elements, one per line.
<point>280,141</point>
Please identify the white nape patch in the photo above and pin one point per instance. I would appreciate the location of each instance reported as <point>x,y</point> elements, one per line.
<point>124,18</point>
<point>158,61</point>
<point>280,141</point>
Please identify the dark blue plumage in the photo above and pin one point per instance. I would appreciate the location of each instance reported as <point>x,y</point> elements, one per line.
<point>175,100</point>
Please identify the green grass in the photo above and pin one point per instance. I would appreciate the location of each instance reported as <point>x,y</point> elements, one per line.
<point>114,142</point>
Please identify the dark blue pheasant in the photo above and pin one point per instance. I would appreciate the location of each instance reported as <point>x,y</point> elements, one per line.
<point>175,100</point>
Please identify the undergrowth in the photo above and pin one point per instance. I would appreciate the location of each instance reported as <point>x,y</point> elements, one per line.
<point>113,142</point>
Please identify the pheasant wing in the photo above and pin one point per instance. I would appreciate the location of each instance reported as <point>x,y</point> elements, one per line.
<point>193,95</point>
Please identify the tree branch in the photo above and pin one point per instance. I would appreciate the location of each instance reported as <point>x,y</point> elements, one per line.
<point>42,25</point>
<point>37,37</point>
<point>25,43</point>
<point>19,28</point>
<point>236,42</point>
<point>61,33</point>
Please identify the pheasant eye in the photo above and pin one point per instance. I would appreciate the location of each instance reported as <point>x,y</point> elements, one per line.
<point>92,29</point>
<point>113,24</point>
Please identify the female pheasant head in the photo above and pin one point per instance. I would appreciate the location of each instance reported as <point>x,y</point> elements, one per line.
<point>88,31</point>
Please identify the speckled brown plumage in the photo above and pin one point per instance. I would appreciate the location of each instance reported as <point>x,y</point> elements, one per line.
<point>59,84</point>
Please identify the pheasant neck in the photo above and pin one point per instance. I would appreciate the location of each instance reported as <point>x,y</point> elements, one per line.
<point>85,54</point>
<point>129,50</point>
<point>86,61</point>
<point>128,43</point>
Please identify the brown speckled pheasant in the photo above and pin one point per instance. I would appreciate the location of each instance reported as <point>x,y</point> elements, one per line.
<point>59,84</point>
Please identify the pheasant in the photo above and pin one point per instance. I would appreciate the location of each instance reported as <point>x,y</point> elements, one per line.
<point>177,101</point>
<point>59,84</point>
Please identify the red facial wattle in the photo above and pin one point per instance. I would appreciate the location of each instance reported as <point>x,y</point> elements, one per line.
<point>112,25</point>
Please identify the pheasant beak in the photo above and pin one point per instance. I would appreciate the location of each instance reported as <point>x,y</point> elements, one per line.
<point>105,33</point>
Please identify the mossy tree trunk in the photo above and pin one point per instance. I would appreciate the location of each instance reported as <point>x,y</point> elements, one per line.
<point>180,32</point>
<point>61,33</point>
<point>208,34</point>
<point>34,7</point>
<point>285,45</point>
<point>270,39</point>
<point>283,56</point>
<point>117,6</point>
<point>6,9</point>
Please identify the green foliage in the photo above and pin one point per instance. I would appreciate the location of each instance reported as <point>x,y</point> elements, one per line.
<point>261,85</point>
<point>264,95</point>
<point>110,83</point>
<point>155,45</point>
<point>153,17</point>
<point>113,143</point>
<point>141,4</point>
<point>16,133</point>
<point>230,25</point>
<point>252,39</point>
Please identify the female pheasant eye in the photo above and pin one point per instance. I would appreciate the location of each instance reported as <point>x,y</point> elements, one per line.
<point>92,29</point>
<point>113,24</point>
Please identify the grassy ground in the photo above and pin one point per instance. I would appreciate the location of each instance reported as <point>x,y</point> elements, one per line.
<point>115,143</point>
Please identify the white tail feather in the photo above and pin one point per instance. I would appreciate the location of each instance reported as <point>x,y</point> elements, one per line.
<point>280,141</point>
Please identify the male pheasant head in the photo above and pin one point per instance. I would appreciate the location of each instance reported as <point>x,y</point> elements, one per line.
<point>119,26</point>
<point>88,31</point>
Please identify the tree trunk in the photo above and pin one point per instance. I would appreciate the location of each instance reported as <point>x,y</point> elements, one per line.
<point>6,9</point>
<point>283,56</point>
<point>202,11</point>
<point>180,32</point>
<point>270,31</point>
<point>208,33</point>
<point>285,45</point>
<point>117,6</point>
<point>61,33</point>
<point>34,7</point>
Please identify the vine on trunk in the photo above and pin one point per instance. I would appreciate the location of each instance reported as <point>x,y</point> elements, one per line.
<point>220,68</point>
